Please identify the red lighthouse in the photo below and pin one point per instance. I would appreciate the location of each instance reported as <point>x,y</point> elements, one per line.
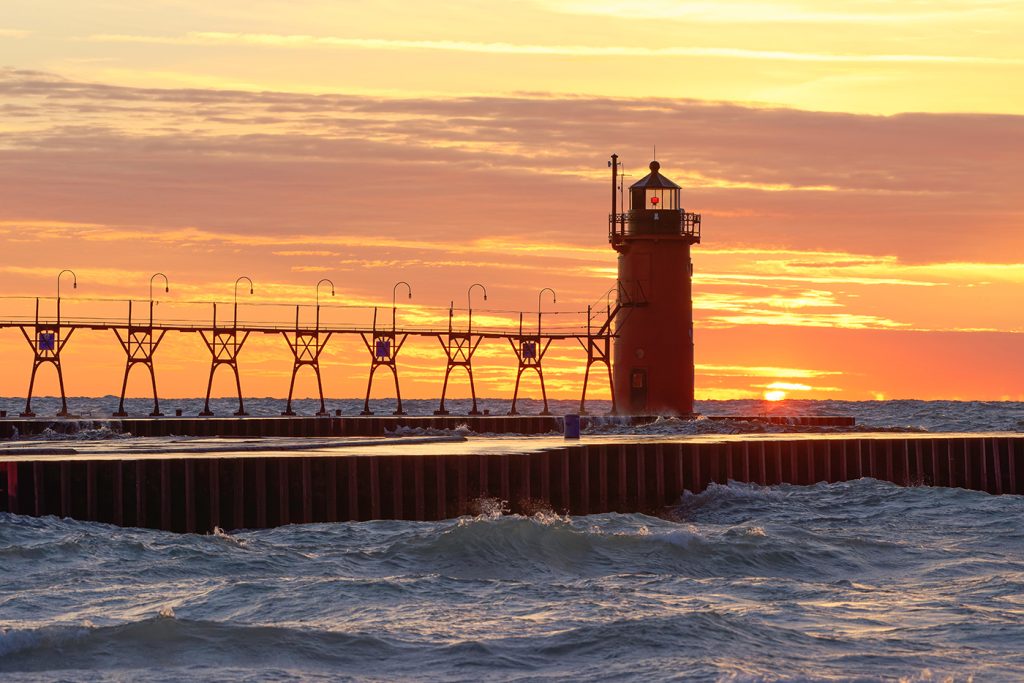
<point>653,356</point>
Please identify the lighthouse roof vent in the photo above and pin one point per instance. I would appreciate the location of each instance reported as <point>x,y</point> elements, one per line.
<point>654,180</point>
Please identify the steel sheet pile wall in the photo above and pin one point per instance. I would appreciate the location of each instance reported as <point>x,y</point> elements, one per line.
<point>196,494</point>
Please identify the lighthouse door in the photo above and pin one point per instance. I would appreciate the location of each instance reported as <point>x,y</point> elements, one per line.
<point>638,391</point>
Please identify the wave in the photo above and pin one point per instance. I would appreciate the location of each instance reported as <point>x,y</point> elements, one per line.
<point>76,431</point>
<point>859,579</point>
<point>700,425</point>
<point>547,545</point>
<point>826,530</point>
<point>158,642</point>
<point>703,642</point>
<point>460,430</point>
<point>155,645</point>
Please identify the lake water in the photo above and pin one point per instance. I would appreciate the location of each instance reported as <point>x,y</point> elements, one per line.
<point>859,580</point>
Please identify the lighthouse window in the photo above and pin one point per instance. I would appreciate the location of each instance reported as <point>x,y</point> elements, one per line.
<point>666,199</point>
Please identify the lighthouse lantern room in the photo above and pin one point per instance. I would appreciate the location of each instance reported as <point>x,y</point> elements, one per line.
<point>653,359</point>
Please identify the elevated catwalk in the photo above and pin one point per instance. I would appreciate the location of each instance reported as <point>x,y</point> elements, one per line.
<point>270,482</point>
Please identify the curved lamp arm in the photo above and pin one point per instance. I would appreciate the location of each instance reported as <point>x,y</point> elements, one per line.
<point>469,301</point>
<point>74,280</point>
<point>167,284</point>
<point>236,287</point>
<point>328,281</point>
<point>394,302</point>
<point>247,279</point>
<point>554,300</point>
<point>469,294</point>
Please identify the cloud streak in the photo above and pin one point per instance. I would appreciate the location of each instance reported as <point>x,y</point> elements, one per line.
<point>310,41</point>
<point>733,12</point>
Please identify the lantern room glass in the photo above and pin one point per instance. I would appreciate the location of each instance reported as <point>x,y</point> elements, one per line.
<point>662,198</point>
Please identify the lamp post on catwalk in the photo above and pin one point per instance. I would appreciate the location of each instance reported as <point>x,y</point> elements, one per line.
<point>653,366</point>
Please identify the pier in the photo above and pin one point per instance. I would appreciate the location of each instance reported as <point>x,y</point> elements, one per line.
<point>255,472</point>
<point>263,484</point>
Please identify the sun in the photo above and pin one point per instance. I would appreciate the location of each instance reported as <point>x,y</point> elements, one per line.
<point>775,395</point>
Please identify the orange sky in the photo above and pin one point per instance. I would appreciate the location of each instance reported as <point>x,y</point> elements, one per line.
<point>858,166</point>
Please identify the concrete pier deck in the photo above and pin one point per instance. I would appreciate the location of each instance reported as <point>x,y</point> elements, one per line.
<point>251,483</point>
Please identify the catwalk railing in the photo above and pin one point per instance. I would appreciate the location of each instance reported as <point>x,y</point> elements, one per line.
<point>140,332</point>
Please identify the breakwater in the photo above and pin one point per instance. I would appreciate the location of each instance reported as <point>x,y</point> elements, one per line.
<point>358,426</point>
<point>195,492</point>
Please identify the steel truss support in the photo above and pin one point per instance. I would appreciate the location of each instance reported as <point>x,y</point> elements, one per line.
<point>530,353</point>
<point>139,344</point>
<point>306,347</point>
<point>224,344</point>
<point>598,348</point>
<point>530,350</point>
<point>459,347</point>
<point>47,343</point>
<point>383,348</point>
